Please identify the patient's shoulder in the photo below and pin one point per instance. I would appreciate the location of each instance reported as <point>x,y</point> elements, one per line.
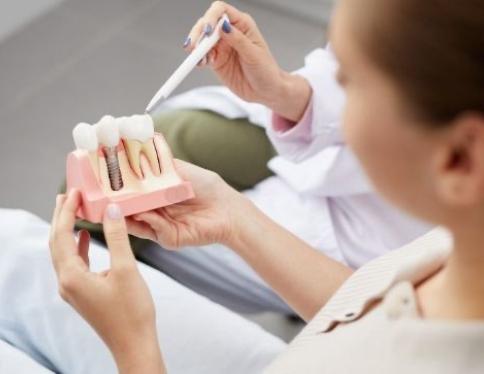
<point>412,262</point>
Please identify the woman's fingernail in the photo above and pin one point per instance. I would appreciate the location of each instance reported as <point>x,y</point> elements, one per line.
<point>207,30</point>
<point>226,27</point>
<point>114,212</point>
<point>187,42</point>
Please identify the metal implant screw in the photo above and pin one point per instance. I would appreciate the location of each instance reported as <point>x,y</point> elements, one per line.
<point>114,171</point>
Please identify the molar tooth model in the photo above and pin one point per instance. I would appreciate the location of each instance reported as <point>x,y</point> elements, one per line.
<point>138,132</point>
<point>123,160</point>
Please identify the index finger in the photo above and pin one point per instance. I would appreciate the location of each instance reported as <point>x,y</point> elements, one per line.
<point>59,201</point>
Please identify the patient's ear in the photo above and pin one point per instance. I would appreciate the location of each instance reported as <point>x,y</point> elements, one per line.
<point>459,162</point>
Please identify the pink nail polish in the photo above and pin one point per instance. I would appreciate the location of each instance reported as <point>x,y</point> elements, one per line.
<point>114,212</point>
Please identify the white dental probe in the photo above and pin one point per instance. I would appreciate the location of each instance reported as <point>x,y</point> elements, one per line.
<point>200,51</point>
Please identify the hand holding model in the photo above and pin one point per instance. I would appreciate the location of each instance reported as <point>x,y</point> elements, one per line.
<point>116,302</point>
<point>211,216</point>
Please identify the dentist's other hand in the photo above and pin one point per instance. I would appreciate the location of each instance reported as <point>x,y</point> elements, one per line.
<point>210,217</point>
<point>116,302</point>
<point>244,63</point>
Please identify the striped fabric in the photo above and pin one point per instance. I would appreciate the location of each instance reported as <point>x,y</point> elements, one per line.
<point>412,262</point>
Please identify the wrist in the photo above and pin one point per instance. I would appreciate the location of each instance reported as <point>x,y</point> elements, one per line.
<point>247,223</point>
<point>291,98</point>
<point>240,212</point>
<point>140,356</point>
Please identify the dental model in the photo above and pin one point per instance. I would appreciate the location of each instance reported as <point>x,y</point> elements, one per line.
<point>85,138</point>
<point>138,133</point>
<point>123,160</point>
<point>108,134</point>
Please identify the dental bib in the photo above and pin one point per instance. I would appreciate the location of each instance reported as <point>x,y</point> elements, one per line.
<point>123,161</point>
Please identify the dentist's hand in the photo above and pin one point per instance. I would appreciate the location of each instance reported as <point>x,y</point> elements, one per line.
<point>244,63</point>
<point>116,302</point>
<point>211,217</point>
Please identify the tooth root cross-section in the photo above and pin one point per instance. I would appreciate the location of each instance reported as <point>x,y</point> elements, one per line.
<point>135,149</point>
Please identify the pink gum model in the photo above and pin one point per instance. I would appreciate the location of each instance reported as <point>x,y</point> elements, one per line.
<point>137,195</point>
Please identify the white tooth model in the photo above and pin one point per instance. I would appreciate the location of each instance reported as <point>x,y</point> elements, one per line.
<point>138,174</point>
<point>85,139</point>
<point>108,131</point>
<point>108,135</point>
<point>138,132</point>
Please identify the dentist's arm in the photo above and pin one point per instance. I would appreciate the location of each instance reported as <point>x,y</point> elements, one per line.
<point>116,302</point>
<point>301,275</point>
<point>243,62</point>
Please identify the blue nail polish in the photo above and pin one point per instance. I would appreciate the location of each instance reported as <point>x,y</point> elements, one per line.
<point>187,42</point>
<point>207,30</point>
<point>226,27</point>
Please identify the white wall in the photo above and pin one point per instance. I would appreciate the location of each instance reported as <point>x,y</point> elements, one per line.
<point>314,10</point>
<point>14,14</point>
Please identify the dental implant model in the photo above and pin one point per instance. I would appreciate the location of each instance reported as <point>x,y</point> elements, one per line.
<point>123,160</point>
<point>108,135</point>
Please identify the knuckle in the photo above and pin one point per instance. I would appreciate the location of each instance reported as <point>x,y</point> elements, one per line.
<point>63,294</point>
<point>125,268</point>
<point>67,285</point>
<point>116,235</point>
<point>214,178</point>
<point>218,4</point>
<point>249,19</point>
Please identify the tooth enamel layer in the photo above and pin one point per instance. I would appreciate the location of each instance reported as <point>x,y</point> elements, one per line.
<point>107,131</point>
<point>137,127</point>
<point>85,137</point>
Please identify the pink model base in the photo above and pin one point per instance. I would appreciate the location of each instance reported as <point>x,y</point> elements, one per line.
<point>81,176</point>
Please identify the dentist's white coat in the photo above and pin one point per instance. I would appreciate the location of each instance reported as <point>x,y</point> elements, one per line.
<point>319,192</point>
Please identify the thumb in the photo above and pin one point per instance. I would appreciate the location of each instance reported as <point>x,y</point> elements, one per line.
<point>116,235</point>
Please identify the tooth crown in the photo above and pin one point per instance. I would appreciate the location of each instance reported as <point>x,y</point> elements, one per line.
<point>137,127</point>
<point>85,137</point>
<point>108,131</point>
<point>147,126</point>
<point>126,128</point>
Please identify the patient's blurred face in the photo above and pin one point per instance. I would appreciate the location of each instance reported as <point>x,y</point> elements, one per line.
<point>395,152</point>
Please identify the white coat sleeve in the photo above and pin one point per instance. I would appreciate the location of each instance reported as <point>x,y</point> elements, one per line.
<point>313,157</point>
<point>320,125</point>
